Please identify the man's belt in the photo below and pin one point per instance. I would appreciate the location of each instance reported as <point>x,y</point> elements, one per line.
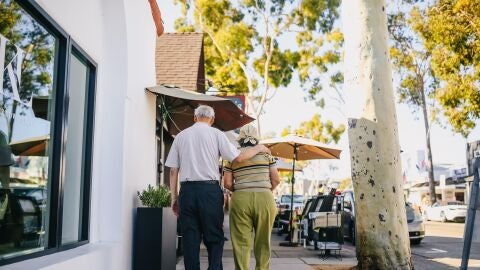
<point>200,182</point>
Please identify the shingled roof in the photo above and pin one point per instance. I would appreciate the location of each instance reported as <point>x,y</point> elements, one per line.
<point>179,60</point>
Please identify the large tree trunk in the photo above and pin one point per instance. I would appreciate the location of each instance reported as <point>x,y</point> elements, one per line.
<point>382,234</point>
<point>431,176</point>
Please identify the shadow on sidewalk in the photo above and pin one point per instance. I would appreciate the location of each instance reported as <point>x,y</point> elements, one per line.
<point>437,252</point>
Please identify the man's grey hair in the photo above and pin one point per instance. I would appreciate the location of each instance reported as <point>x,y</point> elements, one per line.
<point>204,111</point>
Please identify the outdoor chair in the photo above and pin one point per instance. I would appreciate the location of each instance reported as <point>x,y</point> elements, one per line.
<point>329,233</point>
<point>322,224</point>
<point>283,222</point>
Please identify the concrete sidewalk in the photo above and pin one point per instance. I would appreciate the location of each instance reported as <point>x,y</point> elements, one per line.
<point>440,250</point>
<point>288,258</point>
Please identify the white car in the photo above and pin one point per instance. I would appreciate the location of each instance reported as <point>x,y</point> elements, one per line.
<point>416,227</point>
<point>453,211</point>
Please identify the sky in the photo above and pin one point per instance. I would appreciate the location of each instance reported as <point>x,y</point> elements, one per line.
<point>289,108</point>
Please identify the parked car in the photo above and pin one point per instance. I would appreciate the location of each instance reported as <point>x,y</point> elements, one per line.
<point>20,219</point>
<point>285,200</point>
<point>453,211</point>
<point>416,226</point>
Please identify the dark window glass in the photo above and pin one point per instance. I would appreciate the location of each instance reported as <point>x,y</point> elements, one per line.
<point>46,128</point>
<point>27,57</point>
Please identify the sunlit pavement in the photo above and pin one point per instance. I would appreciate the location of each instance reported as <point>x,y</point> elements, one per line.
<point>288,258</point>
<point>442,248</point>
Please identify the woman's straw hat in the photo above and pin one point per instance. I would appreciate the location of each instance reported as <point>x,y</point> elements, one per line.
<point>248,133</point>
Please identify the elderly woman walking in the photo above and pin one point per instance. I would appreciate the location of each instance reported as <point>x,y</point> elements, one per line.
<point>253,207</point>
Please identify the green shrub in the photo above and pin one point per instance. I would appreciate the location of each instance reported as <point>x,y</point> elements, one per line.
<point>155,197</point>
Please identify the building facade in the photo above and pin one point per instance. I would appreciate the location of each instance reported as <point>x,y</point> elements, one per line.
<point>78,131</point>
<point>180,62</point>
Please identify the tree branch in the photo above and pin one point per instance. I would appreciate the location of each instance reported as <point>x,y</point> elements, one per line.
<point>340,96</point>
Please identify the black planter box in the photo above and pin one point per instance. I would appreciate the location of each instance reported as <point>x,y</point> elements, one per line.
<point>155,239</point>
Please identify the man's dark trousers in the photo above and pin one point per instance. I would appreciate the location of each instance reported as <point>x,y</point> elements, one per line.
<point>201,215</point>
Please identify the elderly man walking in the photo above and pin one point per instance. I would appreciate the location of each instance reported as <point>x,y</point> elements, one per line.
<point>193,160</point>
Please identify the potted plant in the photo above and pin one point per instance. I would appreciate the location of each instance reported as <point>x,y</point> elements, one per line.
<point>155,231</point>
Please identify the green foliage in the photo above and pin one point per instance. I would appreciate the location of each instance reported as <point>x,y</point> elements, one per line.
<point>314,14</point>
<point>24,32</point>
<point>451,33</point>
<point>418,84</point>
<point>281,68</point>
<point>243,44</point>
<point>21,30</point>
<point>315,129</point>
<point>437,53</point>
<point>9,19</point>
<point>155,197</point>
<point>410,59</point>
<point>182,26</point>
<point>345,184</point>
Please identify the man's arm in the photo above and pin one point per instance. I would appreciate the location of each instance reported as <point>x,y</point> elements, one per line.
<point>228,180</point>
<point>248,153</point>
<point>230,153</point>
<point>173,190</point>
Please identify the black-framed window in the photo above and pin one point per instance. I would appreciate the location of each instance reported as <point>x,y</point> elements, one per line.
<point>47,98</point>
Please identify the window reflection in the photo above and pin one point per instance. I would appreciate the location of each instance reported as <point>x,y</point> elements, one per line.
<point>27,54</point>
<point>74,181</point>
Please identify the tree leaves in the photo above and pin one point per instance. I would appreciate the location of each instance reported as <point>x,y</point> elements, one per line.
<point>281,68</point>
<point>412,59</point>
<point>245,49</point>
<point>315,15</point>
<point>451,32</point>
<point>316,129</point>
<point>38,44</point>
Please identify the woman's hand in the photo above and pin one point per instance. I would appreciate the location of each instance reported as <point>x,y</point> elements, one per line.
<point>274,177</point>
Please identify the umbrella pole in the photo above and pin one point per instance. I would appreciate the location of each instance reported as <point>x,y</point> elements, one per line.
<point>292,193</point>
<point>290,243</point>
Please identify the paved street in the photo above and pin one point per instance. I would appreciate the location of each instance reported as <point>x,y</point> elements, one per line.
<point>442,248</point>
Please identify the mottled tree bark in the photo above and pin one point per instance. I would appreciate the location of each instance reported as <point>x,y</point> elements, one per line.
<point>382,234</point>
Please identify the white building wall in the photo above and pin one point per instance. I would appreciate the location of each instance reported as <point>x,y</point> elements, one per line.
<point>139,143</point>
<point>120,37</point>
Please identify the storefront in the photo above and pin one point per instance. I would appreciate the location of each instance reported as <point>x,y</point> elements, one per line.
<point>77,131</point>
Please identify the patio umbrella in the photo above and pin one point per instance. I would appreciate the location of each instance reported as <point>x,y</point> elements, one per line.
<point>35,146</point>
<point>299,148</point>
<point>283,166</point>
<point>178,106</point>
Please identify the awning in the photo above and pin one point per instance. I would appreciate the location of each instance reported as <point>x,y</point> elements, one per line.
<point>178,107</point>
<point>35,146</point>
